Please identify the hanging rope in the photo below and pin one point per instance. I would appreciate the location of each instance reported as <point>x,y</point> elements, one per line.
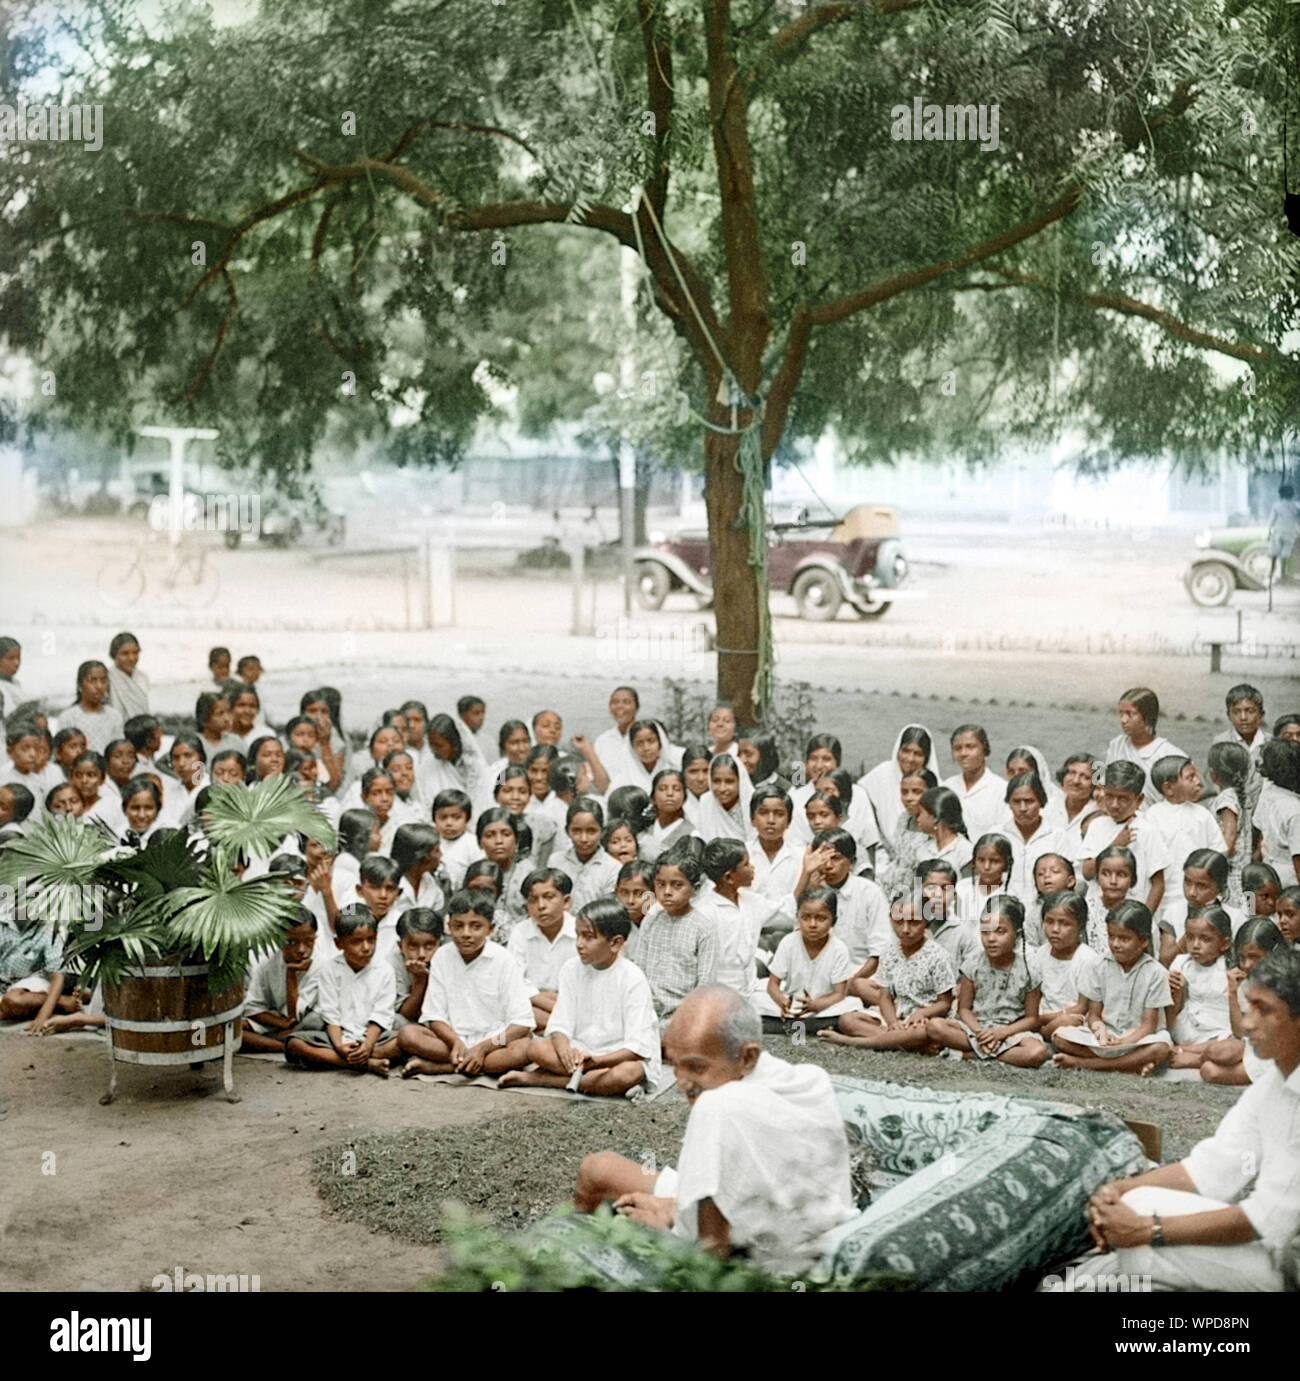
<point>749,463</point>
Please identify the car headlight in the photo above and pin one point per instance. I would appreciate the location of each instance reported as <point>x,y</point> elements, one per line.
<point>657,539</point>
<point>1203,538</point>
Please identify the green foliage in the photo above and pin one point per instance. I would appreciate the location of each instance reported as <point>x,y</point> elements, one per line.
<point>791,715</point>
<point>406,285</point>
<point>121,909</point>
<point>631,1257</point>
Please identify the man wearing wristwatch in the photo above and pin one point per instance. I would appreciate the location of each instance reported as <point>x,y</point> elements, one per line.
<point>1223,1218</point>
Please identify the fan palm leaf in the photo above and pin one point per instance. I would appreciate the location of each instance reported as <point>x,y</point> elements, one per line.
<point>161,867</point>
<point>223,918</point>
<point>56,867</point>
<point>256,819</point>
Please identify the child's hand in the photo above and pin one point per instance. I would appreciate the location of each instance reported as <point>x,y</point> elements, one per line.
<point>37,1028</point>
<point>1098,1029</point>
<point>474,1058</point>
<point>916,1019</point>
<point>355,1052</point>
<point>459,1053</point>
<point>319,875</point>
<point>1125,837</point>
<point>579,1059</point>
<point>300,967</point>
<point>418,968</point>
<point>989,1037</point>
<point>1235,978</point>
<point>1176,982</point>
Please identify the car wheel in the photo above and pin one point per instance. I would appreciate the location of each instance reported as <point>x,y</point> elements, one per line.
<point>652,584</point>
<point>873,611</point>
<point>817,593</point>
<point>1257,562</point>
<point>1211,584</point>
<point>232,539</point>
<point>295,531</point>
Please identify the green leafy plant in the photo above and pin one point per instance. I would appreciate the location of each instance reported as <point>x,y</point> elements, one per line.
<point>121,909</point>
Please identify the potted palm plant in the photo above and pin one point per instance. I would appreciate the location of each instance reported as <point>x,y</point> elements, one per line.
<point>166,932</point>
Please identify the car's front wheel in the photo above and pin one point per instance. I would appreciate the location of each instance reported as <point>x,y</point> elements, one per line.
<point>1257,562</point>
<point>873,611</point>
<point>818,595</point>
<point>652,584</point>
<point>1211,584</point>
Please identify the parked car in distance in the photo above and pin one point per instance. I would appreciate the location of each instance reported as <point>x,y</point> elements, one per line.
<point>825,563</point>
<point>1231,559</point>
<point>285,520</point>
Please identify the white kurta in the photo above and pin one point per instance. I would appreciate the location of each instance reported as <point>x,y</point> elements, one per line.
<point>603,1010</point>
<point>770,1151</point>
<point>476,999</point>
<point>984,804</point>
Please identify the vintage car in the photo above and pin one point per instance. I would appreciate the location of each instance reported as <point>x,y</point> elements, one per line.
<point>856,559</point>
<point>1231,559</point>
<point>285,520</point>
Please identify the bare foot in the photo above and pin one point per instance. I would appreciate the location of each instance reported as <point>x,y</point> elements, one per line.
<point>379,1067</point>
<point>513,1078</point>
<point>1152,1067</point>
<point>1184,1059</point>
<point>829,1033</point>
<point>1063,1061</point>
<point>416,1065</point>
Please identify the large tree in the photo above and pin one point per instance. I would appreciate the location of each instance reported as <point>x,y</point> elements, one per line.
<point>358,203</point>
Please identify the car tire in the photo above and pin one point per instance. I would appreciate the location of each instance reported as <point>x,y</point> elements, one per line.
<point>873,611</point>
<point>652,584</point>
<point>232,539</point>
<point>1256,561</point>
<point>818,595</point>
<point>1211,584</point>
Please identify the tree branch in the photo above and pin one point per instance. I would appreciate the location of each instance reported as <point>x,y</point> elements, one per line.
<point>659,84</point>
<point>886,288</point>
<point>232,310</point>
<point>1136,131</point>
<point>787,39</point>
<point>1131,306</point>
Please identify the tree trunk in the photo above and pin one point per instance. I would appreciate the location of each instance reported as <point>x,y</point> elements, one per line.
<point>735,587</point>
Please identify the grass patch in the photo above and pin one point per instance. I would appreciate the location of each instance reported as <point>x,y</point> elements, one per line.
<point>513,1170</point>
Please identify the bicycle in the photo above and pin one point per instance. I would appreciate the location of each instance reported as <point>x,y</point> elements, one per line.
<point>187,577</point>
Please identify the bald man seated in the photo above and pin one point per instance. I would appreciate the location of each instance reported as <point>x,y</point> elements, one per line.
<point>764,1165</point>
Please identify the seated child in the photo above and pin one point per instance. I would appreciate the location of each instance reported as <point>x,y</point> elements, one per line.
<point>809,974</point>
<point>1064,961</point>
<point>476,1017</point>
<point>283,990</point>
<point>417,851</point>
<point>1175,826</point>
<point>24,741</point>
<point>937,882</point>
<point>992,862</point>
<point>1121,827</point>
<point>544,941</point>
<point>1116,877</point>
<point>634,891</point>
<point>1287,915</point>
<point>17,805</point>
<point>1261,886</point>
<point>1232,1061</point>
<point>451,817</point>
<point>1205,875</point>
<point>31,968</point>
<point>738,913</point>
<point>603,1036</point>
<point>1052,873</point>
<point>1128,993</point>
<point>916,979</point>
<point>378,888</point>
<point>419,933</point>
<point>355,999</point>
<point>998,994</point>
<point>862,909</point>
<point>1198,980</point>
<point>676,947</point>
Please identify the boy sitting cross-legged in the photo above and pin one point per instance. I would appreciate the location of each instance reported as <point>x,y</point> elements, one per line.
<point>476,1017</point>
<point>419,933</point>
<point>544,943</point>
<point>603,1035</point>
<point>284,989</point>
<point>355,1002</point>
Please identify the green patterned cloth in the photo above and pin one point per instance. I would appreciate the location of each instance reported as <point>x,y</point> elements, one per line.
<point>986,1189</point>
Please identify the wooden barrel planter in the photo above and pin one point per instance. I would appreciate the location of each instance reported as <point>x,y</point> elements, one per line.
<point>164,1014</point>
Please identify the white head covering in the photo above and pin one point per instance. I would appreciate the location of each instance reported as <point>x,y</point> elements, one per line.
<point>882,782</point>
<point>1045,775</point>
<point>713,822</point>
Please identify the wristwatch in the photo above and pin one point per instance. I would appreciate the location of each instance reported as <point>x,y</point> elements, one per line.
<point>1157,1232</point>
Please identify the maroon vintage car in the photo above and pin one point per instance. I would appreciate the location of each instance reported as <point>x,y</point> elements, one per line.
<point>855,560</point>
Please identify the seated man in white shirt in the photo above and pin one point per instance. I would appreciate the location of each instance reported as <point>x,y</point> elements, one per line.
<point>764,1166</point>
<point>1178,1225</point>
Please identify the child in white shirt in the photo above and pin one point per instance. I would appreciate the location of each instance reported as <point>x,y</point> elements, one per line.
<point>809,974</point>
<point>283,990</point>
<point>476,1017</point>
<point>603,1035</point>
<point>1064,961</point>
<point>1175,827</point>
<point>451,816</point>
<point>737,911</point>
<point>355,1000</point>
<point>546,940</point>
<point>1198,980</point>
<point>419,933</point>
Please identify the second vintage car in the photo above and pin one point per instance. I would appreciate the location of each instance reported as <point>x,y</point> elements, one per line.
<point>824,564</point>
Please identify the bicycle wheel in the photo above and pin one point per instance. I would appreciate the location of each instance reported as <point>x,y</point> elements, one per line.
<point>194,583</point>
<point>119,583</point>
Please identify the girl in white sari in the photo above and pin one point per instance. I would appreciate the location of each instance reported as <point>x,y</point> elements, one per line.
<point>913,751</point>
<point>128,688</point>
<point>724,807</point>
